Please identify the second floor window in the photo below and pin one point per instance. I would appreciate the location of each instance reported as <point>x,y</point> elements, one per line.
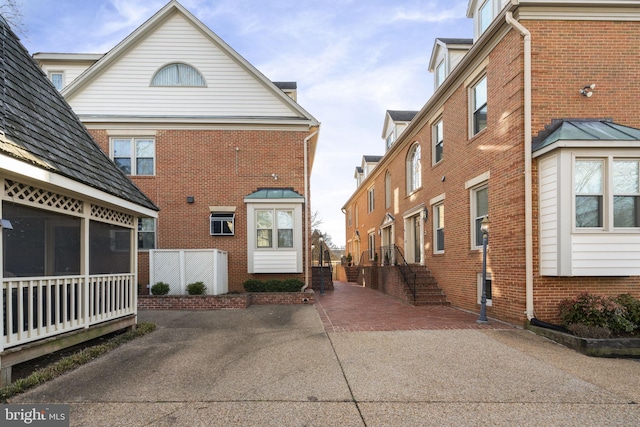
<point>479,106</point>
<point>438,142</point>
<point>414,169</point>
<point>134,156</point>
<point>371,200</point>
<point>387,190</point>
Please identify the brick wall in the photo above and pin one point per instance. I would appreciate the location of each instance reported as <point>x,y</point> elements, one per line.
<point>217,302</point>
<point>217,168</point>
<point>566,57</point>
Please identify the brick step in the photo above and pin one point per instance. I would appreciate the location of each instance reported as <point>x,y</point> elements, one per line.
<point>432,302</point>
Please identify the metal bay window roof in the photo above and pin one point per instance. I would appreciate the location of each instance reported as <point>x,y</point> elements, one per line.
<point>584,130</point>
<point>274,194</point>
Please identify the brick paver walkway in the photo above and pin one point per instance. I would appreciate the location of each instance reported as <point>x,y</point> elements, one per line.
<point>351,308</point>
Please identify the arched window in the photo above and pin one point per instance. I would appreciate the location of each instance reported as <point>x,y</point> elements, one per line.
<point>414,169</point>
<point>178,74</point>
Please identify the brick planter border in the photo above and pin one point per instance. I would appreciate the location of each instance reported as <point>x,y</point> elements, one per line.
<point>609,347</point>
<point>218,302</point>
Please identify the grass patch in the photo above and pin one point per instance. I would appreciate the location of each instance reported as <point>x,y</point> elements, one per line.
<point>73,361</point>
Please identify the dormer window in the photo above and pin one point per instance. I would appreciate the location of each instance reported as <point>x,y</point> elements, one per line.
<point>178,74</point>
<point>390,139</point>
<point>440,73</point>
<point>486,15</point>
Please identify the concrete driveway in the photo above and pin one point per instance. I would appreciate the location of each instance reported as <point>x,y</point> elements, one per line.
<point>276,366</point>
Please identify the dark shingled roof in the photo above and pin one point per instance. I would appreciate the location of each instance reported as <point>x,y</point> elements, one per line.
<point>286,85</point>
<point>584,130</point>
<point>401,116</point>
<point>371,159</point>
<point>455,41</point>
<point>41,128</point>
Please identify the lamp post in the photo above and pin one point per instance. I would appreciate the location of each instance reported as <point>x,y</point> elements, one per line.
<point>321,268</point>
<point>484,228</point>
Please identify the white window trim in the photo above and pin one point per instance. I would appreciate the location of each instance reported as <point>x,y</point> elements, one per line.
<point>371,199</point>
<point>50,74</point>
<point>441,65</point>
<point>407,216</point>
<point>471,102</point>
<point>435,140</point>
<point>479,288</point>
<point>607,194</point>
<point>473,185</point>
<point>253,252</point>
<point>435,203</point>
<point>133,158</point>
<point>409,170</point>
<point>371,238</point>
<point>155,235</point>
<point>388,189</point>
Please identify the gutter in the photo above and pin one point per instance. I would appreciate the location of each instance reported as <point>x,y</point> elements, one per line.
<point>307,211</point>
<point>528,197</point>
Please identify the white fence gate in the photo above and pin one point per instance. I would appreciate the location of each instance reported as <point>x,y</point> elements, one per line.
<point>180,267</point>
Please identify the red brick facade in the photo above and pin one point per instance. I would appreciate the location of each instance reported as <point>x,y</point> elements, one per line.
<point>566,55</point>
<point>217,168</point>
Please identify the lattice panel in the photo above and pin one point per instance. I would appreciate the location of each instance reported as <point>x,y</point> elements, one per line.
<point>199,268</point>
<point>167,269</point>
<point>110,215</point>
<point>40,197</point>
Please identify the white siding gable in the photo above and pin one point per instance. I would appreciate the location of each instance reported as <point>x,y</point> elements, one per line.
<point>123,87</point>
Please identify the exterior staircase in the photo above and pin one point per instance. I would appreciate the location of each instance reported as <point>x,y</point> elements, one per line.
<point>427,290</point>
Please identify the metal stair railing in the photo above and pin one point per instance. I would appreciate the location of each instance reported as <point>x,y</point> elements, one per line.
<point>407,273</point>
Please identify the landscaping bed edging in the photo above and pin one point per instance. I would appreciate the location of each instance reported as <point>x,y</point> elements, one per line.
<point>218,302</point>
<point>606,347</point>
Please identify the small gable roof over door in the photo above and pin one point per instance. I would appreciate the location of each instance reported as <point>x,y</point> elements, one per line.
<point>38,128</point>
<point>119,84</point>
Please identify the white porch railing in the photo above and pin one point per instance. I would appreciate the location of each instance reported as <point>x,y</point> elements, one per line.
<point>34,308</point>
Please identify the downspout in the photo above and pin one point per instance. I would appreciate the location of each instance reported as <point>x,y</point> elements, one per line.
<point>528,197</point>
<point>307,211</point>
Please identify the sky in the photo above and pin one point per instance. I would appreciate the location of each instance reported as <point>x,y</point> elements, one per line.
<point>352,60</point>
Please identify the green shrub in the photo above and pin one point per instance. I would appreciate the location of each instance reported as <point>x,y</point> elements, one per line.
<point>632,305</point>
<point>160,288</point>
<point>196,288</point>
<point>616,314</point>
<point>292,285</point>
<point>253,285</point>
<point>273,285</point>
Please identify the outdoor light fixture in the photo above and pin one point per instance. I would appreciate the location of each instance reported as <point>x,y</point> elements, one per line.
<point>190,199</point>
<point>588,90</point>
<point>484,228</point>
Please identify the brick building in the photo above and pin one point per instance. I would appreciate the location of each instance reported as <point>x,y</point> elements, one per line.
<point>225,153</point>
<point>534,124</point>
